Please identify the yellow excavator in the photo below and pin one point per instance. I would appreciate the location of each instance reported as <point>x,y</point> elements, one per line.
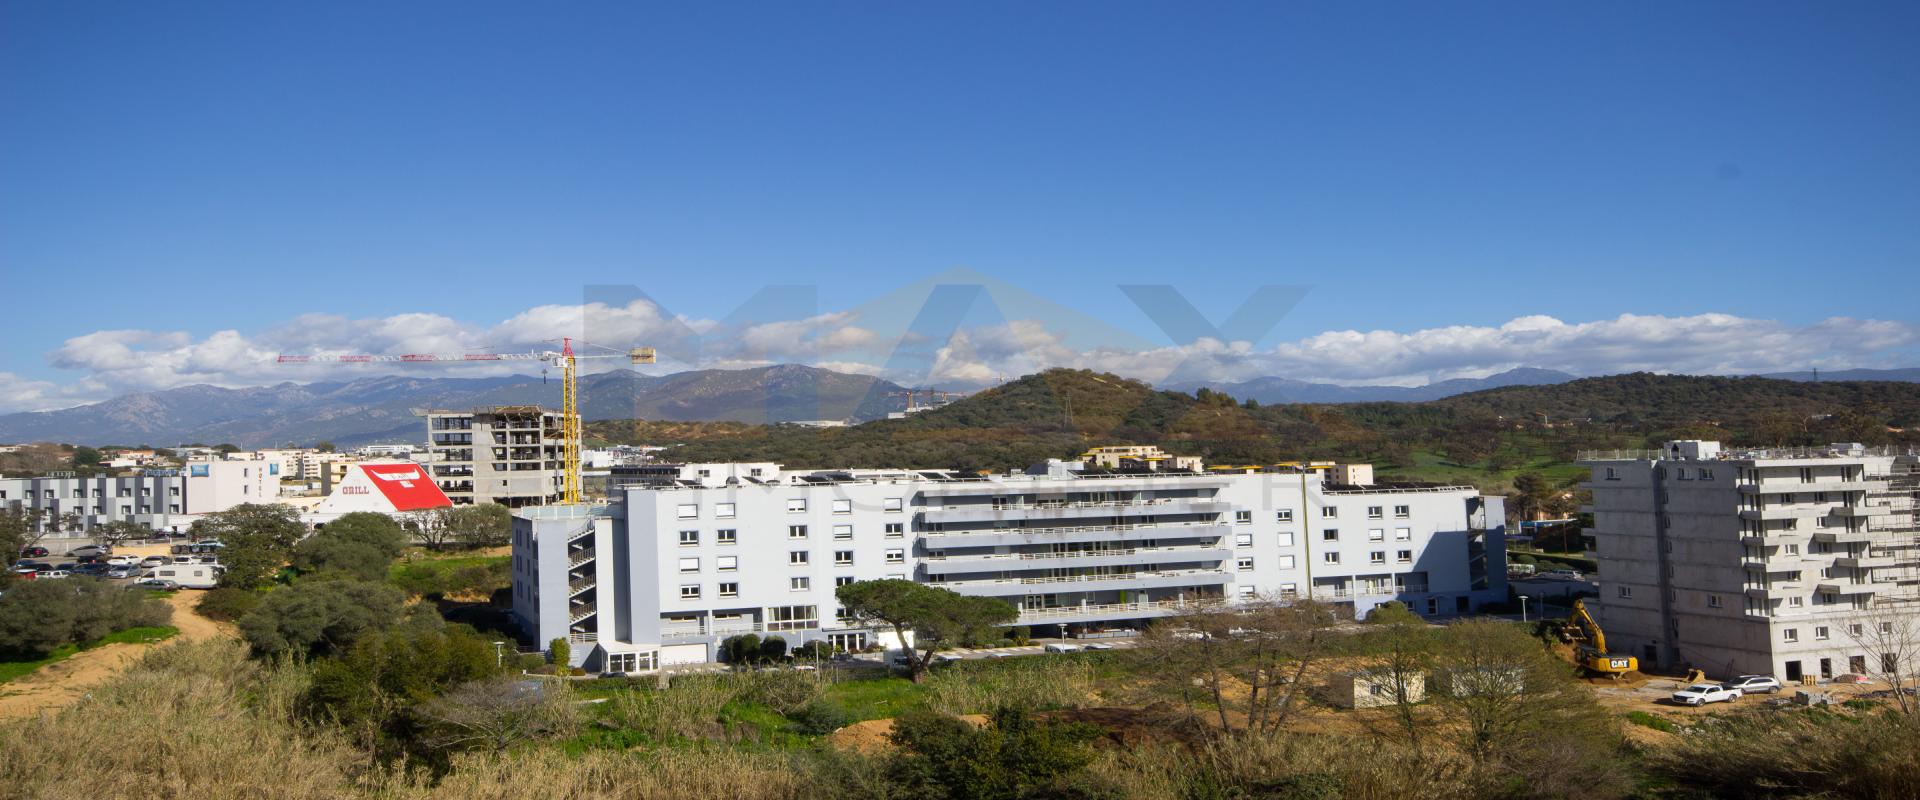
<point>1590,645</point>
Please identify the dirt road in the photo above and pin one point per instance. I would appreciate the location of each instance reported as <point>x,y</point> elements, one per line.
<point>57,685</point>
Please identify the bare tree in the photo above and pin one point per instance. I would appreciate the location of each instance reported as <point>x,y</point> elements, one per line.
<point>1891,637</point>
<point>497,713</point>
<point>1406,654</point>
<point>433,527</point>
<point>1242,663</point>
<point>118,532</point>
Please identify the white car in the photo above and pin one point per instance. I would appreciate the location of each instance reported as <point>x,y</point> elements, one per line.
<point>999,655</point>
<point>1062,647</point>
<point>123,561</point>
<point>1099,646</point>
<point>1754,684</point>
<point>1701,694</point>
<point>52,573</point>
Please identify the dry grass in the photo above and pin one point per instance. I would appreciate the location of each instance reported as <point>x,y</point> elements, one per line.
<point>1034,684</point>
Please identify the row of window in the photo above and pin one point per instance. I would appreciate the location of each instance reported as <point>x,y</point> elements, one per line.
<point>1821,633</point>
<point>797,583</point>
<point>795,505</point>
<point>81,491</point>
<point>795,558</point>
<point>691,538</point>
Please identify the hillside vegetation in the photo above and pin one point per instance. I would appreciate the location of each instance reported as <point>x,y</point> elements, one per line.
<point>1484,436</point>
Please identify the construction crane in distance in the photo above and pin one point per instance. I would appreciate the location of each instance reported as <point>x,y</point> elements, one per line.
<point>564,358</point>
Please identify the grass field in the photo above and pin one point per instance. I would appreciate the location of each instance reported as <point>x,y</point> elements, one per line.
<point>14,669</point>
<point>1524,454</point>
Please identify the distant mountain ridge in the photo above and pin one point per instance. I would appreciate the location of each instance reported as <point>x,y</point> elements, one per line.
<point>1286,390</point>
<point>380,409</point>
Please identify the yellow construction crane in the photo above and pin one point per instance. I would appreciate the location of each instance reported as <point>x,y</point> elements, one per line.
<point>1590,644</point>
<point>564,358</point>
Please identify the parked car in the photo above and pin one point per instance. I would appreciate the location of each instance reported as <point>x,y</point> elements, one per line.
<point>154,561</point>
<point>1062,647</point>
<point>25,564</point>
<point>123,571</point>
<point>118,561</point>
<point>1563,574</point>
<point>943,658</point>
<point>35,552</point>
<point>1754,684</point>
<point>52,573</point>
<point>1099,646</point>
<point>91,550</point>
<point>156,583</point>
<point>1701,694</point>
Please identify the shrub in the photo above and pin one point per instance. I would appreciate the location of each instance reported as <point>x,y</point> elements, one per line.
<point>741,650</point>
<point>1654,721</point>
<point>227,604</point>
<point>320,617</point>
<point>37,617</point>
<point>773,648</point>
<point>821,718</point>
<point>560,650</point>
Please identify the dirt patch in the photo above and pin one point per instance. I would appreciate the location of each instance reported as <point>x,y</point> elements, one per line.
<point>875,735</point>
<point>57,685</point>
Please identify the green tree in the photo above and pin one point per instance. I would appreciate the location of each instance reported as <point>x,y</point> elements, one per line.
<point>258,540</point>
<point>320,617</point>
<point>38,616</point>
<point>928,616</point>
<point>361,544</point>
<point>324,446</point>
<point>372,688</point>
<point>1013,758</point>
<point>85,457</point>
<point>481,525</point>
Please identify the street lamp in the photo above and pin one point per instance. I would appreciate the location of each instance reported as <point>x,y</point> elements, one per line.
<point>499,656</point>
<point>1523,609</point>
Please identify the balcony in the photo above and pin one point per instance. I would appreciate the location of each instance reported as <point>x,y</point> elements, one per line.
<point>1842,586</point>
<point>1068,509</point>
<point>580,584</point>
<point>1796,487</point>
<point>1366,590</point>
<point>1860,512</point>
<point>1076,558</point>
<point>1865,562</point>
<point>984,537</point>
<point>1786,512</point>
<point>1086,611</point>
<point>579,611</point>
<point>579,557</point>
<point>690,632</point>
<point>1846,537</point>
<point>1067,583</point>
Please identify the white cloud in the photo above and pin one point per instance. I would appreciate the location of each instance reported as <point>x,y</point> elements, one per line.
<point>111,362</point>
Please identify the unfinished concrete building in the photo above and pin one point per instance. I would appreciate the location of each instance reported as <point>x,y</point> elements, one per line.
<point>511,455</point>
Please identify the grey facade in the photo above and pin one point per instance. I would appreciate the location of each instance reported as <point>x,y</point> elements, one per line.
<point>671,568</point>
<point>1782,562</point>
<point>511,455</point>
<point>156,499</point>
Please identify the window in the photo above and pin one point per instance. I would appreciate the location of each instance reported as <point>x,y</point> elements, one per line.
<point>1376,534</point>
<point>1406,556</point>
<point>727,563</point>
<point>892,504</point>
<point>843,558</point>
<point>1625,591</point>
<point>1283,515</point>
<point>896,530</point>
<point>1286,538</point>
<point>1790,549</point>
<point>1376,512</point>
<point>1790,635</point>
<point>796,531</point>
<point>1403,534</point>
<point>1612,475</point>
<point>1289,588</point>
<point>723,510</point>
<point>1243,540</point>
<point>1854,629</point>
<point>1713,601</point>
<point>796,505</point>
<point>791,618</point>
<point>1330,558</point>
<point>1820,632</point>
<point>1796,602</point>
<point>1243,518</point>
<point>726,536</point>
<point>843,580</point>
<point>843,532</point>
<point>1286,562</point>
<point>689,565</point>
<point>843,506</point>
<point>799,584</point>
<point>1402,512</point>
<point>798,558</point>
<point>1377,557</point>
<point>689,538</point>
<point>729,590</point>
<point>1246,591</point>
<point>1330,512</point>
<point>1330,535</point>
<point>689,511</point>
<point>1886,628</point>
<point>896,556</point>
<point>1681,473</point>
<point>690,591</point>
<point>1706,474</point>
<point>1243,564</point>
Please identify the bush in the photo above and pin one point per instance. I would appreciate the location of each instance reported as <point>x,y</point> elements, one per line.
<point>1020,635</point>
<point>227,604</point>
<point>560,650</point>
<point>1654,721</point>
<point>1524,559</point>
<point>772,649</point>
<point>741,650</point>
<point>37,617</point>
<point>321,617</point>
<point>361,545</point>
<point>820,718</point>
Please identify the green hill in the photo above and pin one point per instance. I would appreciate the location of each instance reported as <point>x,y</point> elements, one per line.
<point>1486,437</point>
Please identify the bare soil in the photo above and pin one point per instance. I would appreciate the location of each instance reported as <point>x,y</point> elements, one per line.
<point>63,682</point>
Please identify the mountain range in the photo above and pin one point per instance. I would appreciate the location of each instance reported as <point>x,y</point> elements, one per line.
<point>380,409</point>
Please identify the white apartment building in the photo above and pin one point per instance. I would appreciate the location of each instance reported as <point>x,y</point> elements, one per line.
<point>701,552</point>
<point>511,455</point>
<point>164,499</point>
<point>1784,561</point>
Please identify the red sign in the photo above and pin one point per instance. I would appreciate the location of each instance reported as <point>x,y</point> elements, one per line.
<point>406,487</point>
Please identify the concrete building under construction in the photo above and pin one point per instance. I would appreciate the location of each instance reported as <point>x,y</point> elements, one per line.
<point>511,455</point>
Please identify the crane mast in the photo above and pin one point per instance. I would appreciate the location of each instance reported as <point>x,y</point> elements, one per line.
<point>571,431</point>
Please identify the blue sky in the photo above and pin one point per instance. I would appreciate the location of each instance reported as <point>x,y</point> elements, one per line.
<point>180,183</point>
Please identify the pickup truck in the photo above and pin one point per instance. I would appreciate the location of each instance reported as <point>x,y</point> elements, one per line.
<point>1701,694</point>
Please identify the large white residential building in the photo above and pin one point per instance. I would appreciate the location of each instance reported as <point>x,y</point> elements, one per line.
<point>163,499</point>
<point>1785,562</point>
<point>701,552</point>
<point>511,455</point>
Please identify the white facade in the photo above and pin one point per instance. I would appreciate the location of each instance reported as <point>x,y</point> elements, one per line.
<point>162,499</point>
<point>1779,562</point>
<point>668,570</point>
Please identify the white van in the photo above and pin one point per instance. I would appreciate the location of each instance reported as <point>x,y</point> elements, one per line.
<point>190,576</point>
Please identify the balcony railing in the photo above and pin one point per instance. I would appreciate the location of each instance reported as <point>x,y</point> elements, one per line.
<point>710,630</point>
<point>1337,592</point>
<point>1107,609</point>
<point>1068,529</point>
<point>1051,579</point>
<point>580,611</point>
<point>1125,551</point>
<point>578,557</point>
<point>580,584</point>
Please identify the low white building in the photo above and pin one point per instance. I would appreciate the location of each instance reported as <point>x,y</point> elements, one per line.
<point>391,487</point>
<point>164,499</point>
<point>687,555</point>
